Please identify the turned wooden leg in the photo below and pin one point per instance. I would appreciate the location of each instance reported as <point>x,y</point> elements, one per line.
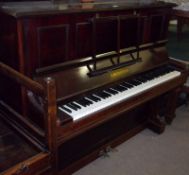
<point>171,106</point>
<point>155,122</point>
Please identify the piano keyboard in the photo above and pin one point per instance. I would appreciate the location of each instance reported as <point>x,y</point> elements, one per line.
<point>104,98</point>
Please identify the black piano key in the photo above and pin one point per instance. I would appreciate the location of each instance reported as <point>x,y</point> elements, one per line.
<point>111,91</point>
<point>132,82</point>
<point>66,109</point>
<point>123,86</point>
<point>71,106</point>
<point>119,88</point>
<point>126,84</point>
<point>77,106</point>
<point>89,102</point>
<point>138,81</point>
<point>102,94</point>
<point>93,98</point>
<point>148,76</point>
<point>156,74</point>
<point>84,102</point>
<point>141,79</point>
<point>171,68</point>
<point>107,92</point>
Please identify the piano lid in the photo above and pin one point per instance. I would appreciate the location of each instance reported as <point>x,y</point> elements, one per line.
<point>31,8</point>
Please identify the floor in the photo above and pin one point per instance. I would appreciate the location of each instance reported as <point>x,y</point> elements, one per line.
<point>148,153</point>
<point>13,149</point>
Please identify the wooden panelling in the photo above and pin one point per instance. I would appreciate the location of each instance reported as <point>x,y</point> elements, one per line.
<point>105,33</point>
<point>129,31</point>
<point>157,24</point>
<point>83,39</point>
<point>52,44</point>
<point>98,136</point>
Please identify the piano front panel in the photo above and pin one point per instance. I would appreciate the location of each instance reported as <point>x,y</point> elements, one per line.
<point>83,39</point>
<point>46,41</point>
<point>53,43</point>
<point>51,39</point>
<point>97,137</point>
<point>131,29</point>
<point>105,35</point>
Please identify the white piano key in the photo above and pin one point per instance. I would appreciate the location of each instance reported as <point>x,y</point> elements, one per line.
<point>116,98</point>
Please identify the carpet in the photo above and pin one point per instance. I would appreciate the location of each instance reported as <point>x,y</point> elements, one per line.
<point>148,153</point>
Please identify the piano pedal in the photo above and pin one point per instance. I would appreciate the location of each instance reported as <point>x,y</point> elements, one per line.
<point>104,154</point>
<point>110,149</point>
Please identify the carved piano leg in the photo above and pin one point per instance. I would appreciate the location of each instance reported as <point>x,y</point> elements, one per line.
<point>171,106</point>
<point>155,122</point>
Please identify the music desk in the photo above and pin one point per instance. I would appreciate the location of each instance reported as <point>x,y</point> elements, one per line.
<point>182,18</point>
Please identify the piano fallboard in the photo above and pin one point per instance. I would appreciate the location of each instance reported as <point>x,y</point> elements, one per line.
<point>74,81</point>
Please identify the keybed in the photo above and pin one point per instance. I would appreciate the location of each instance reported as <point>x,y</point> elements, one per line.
<point>106,97</point>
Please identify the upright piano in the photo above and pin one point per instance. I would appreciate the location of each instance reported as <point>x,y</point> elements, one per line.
<point>97,74</point>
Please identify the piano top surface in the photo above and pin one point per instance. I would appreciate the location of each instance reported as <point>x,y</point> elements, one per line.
<point>32,8</point>
<point>71,82</point>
